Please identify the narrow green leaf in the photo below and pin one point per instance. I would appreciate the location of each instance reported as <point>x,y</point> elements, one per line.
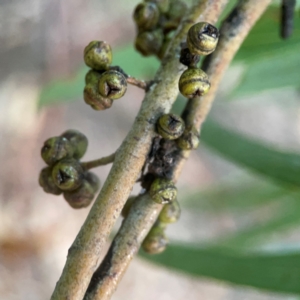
<point>63,90</point>
<point>270,62</point>
<point>274,71</point>
<point>234,195</point>
<point>277,165</point>
<point>264,39</point>
<point>286,217</point>
<point>278,273</point>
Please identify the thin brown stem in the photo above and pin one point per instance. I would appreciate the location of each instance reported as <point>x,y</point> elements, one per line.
<point>137,82</point>
<point>84,253</point>
<point>98,162</point>
<point>143,214</point>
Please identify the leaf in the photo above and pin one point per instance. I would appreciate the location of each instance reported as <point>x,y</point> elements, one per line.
<point>280,166</point>
<point>234,195</point>
<point>264,38</point>
<point>270,62</point>
<point>66,90</point>
<point>278,273</point>
<point>276,70</point>
<point>287,217</point>
<point>248,198</point>
<point>63,90</point>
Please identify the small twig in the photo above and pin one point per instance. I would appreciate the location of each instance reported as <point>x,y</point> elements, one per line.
<point>98,162</point>
<point>137,82</point>
<point>132,80</point>
<point>143,214</point>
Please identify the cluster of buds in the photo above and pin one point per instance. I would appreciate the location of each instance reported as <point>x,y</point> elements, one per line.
<point>104,83</point>
<point>64,173</point>
<point>155,20</point>
<point>202,39</point>
<point>172,127</point>
<point>163,190</point>
<point>156,241</point>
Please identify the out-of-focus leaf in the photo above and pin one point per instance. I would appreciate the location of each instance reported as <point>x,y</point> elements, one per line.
<point>286,217</point>
<point>63,90</point>
<point>276,70</point>
<point>66,90</point>
<point>234,195</point>
<point>277,165</point>
<point>277,273</point>
<point>264,39</point>
<point>270,62</point>
<point>247,198</point>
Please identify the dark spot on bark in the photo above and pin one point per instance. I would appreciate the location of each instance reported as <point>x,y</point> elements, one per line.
<point>235,19</point>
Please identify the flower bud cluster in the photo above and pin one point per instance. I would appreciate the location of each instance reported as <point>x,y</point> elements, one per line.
<point>202,39</point>
<point>172,127</point>
<point>103,84</point>
<point>155,21</point>
<point>64,173</point>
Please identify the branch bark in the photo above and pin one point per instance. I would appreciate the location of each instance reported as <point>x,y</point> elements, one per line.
<point>84,253</point>
<point>139,221</point>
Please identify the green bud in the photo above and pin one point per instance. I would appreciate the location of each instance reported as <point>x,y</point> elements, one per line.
<point>163,5</point>
<point>93,98</point>
<point>84,195</point>
<point>78,140</point>
<point>163,191</point>
<point>170,126</point>
<point>149,42</point>
<point>194,82</point>
<point>98,55</point>
<point>47,183</point>
<point>170,213</point>
<point>190,139</point>
<point>112,84</point>
<point>177,9</point>
<point>146,16</point>
<point>156,241</point>
<point>92,77</point>
<point>67,174</point>
<point>55,149</point>
<point>202,38</point>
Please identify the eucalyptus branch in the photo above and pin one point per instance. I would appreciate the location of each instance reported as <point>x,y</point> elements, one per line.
<point>142,215</point>
<point>98,162</point>
<point>84,253</point>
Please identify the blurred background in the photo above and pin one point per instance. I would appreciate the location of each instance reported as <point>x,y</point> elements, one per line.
<point>238,191</point>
